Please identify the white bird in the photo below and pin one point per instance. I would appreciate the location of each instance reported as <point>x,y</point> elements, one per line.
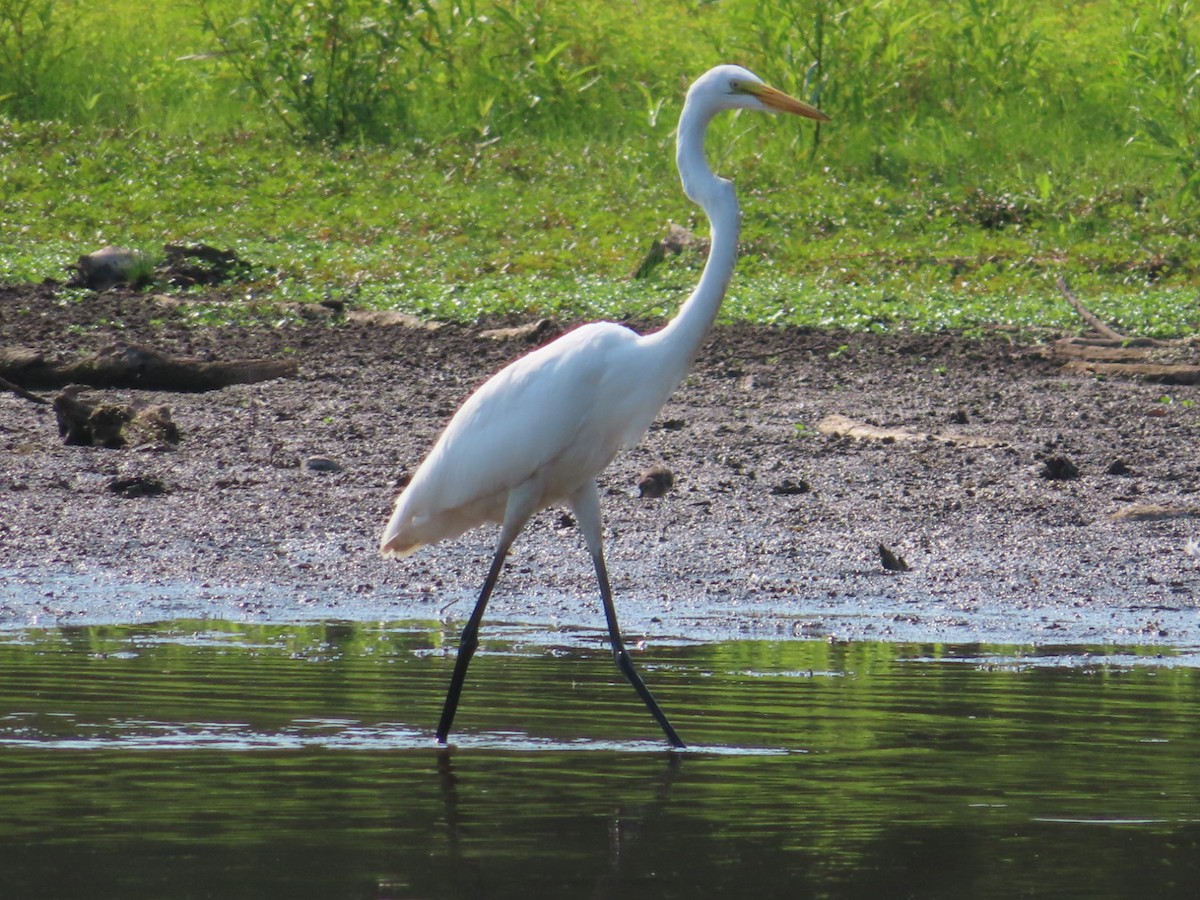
<point>539,431</point>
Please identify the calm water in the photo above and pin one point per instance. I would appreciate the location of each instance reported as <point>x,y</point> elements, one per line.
<point>219,760</point>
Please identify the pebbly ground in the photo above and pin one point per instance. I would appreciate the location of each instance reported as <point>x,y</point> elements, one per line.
<point>772,530</point>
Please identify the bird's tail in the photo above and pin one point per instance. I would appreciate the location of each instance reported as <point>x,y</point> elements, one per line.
<point>396,547</point>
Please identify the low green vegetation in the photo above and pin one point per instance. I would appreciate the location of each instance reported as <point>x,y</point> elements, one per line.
<point>515,156</point>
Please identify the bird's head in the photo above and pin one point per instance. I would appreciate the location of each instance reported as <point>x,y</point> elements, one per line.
<point>732,87</point>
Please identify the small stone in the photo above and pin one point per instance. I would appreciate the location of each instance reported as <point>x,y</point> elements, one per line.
<point>655,481</point>
<point>137,486</point>
<point>321,464</point>
<point>151,426</point>
<point>108,267</point>
<point>891,561</point>
<point>791,486</point>
<point>1059,468</point>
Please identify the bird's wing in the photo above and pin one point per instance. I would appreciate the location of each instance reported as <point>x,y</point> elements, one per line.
<point>558,414</point>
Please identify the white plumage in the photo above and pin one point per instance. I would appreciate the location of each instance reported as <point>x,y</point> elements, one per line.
<point>544,423</point>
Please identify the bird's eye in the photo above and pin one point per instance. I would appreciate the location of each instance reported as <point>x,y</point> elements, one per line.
<point>735,86</point>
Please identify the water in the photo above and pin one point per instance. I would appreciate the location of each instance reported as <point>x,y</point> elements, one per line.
<point>207,759</point>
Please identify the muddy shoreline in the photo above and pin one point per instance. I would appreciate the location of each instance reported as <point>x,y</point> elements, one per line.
<point>772,530</point>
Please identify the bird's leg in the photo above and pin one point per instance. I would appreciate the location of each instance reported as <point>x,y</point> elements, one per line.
<point>586,503</point>
<point>468,642</point>
<point>519,507</point>
<point>623,659</point>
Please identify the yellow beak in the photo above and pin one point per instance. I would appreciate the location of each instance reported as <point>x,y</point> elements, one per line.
<point>778,100</point>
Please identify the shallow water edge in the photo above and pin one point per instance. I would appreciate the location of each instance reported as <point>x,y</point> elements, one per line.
<point>49,597</point>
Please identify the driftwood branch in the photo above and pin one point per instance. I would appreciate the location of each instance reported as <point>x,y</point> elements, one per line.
<point>1152,512</point>
<point>1087,315</point>
<point>6,385</point>
<point>836,425</point>
<point>1159,373</point>
<point>134,366</point>
<point>1109,352</point>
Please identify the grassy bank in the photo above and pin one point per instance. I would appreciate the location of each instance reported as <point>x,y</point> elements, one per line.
<point>516,157</point>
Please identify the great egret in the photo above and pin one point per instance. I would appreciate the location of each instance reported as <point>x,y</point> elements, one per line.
<point>539,431</point>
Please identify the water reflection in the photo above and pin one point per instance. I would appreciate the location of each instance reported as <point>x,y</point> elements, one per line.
<point>210,759</point>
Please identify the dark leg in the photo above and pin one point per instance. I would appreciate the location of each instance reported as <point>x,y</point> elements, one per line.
<point>467,644</point>
<point>586,503</point>
<point>621,655</point>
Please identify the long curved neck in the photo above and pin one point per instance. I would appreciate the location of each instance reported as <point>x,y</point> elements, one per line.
<point>680,340</point>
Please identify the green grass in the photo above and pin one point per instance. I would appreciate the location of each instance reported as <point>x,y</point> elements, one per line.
<point>978,151</point>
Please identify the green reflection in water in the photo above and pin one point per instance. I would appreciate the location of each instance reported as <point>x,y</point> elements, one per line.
<point>220,760</point>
